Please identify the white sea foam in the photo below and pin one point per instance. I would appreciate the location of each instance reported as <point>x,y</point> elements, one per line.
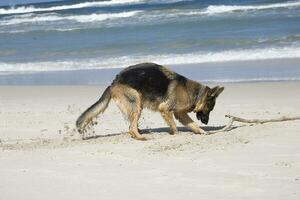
<point>234,8</point>
<point>167,59</point>
<point>155,16</point>
<point>30,18</point>
<point>30,9</point>
<point>219,9</point>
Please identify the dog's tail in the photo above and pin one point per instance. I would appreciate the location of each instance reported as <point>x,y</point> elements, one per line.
<point>99,107</point>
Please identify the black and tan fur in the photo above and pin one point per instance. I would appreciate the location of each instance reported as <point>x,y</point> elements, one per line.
<point>155,87</point>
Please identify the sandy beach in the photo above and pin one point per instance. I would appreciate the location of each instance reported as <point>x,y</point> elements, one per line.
<point>42,157</point>
<point>58,56</point>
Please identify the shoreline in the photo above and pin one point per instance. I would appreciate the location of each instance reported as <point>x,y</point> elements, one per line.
<point>219,72</point>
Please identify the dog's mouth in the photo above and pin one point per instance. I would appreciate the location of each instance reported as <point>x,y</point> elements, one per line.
<point>203,117</point>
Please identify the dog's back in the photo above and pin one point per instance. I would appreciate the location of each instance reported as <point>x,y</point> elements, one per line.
<point>150,79</point>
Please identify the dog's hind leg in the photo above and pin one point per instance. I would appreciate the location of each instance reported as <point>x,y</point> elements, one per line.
<point>188,122</point>
<point>129,102</point>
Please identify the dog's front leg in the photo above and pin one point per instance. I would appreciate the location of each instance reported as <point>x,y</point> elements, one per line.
<point>188,122</point>
<point>168,117</point>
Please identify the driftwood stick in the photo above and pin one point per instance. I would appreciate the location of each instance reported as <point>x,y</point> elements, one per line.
<point>228,127</point>
<point>262,121</point>
<point>232,119</point>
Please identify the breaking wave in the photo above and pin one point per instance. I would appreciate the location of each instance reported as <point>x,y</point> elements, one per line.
<point>29,18</point>
<point>148,16</point>
<point>234,8</point>
<point>166,59</point>
<point>30,9</point>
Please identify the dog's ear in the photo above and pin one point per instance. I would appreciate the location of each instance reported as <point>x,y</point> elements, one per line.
<point>216,91</point>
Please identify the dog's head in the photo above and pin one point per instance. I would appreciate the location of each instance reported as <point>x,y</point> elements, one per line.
<point>207,103</point>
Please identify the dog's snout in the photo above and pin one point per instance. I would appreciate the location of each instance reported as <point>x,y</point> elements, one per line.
<point>204,120</point>
<point>203,117</point>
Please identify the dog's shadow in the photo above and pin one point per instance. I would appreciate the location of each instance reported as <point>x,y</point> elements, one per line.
<point>161,130</point>
<point>180,129</point>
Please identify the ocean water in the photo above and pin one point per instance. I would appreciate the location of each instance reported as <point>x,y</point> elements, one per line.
<point>83,35</point>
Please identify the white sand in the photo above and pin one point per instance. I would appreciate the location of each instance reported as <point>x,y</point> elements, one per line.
<point>41,157</point>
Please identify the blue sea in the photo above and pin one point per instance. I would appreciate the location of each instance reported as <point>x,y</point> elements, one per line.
<point>87,42</point>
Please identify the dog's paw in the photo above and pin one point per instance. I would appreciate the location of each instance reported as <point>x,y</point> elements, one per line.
<point>205,133</point>
<point>140,138</point>
<point>174,132</point>
<point>201,132</point>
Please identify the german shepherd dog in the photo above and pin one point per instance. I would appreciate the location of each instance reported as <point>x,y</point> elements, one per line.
<point>157,88</point>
